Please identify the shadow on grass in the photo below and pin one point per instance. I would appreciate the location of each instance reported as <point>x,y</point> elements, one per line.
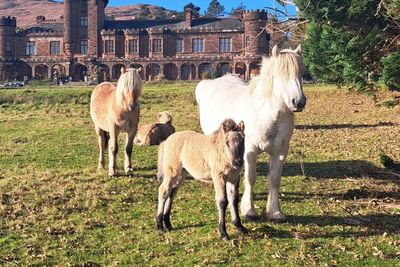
<point>344,126</point>
<point>337,169</point>
<point>374,224</point>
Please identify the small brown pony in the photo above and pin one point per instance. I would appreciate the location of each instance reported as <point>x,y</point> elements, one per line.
<point>116,109</point>
<point>217,157</point>
<point>155,133</point>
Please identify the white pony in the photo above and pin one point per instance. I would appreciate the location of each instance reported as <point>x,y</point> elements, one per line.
<point>266,107</point>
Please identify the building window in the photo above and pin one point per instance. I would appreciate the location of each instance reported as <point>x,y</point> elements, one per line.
<point>198,45</point>
<point>8,48</point>
<point>84,21</point>
<point>84,47</point>
<point>157,46</point>
<point>179,45</point>
<point>133,46</point>
<point>109,46</point>
<point>225,45</point>
<point>248,42</point>
<point>30,48</point>
<point>55,48</point>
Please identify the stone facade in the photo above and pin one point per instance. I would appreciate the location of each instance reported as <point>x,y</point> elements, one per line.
<point>85,43</point>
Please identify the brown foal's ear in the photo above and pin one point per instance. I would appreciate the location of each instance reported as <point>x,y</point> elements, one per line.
<point>298,50</point>
<point>241,126</point>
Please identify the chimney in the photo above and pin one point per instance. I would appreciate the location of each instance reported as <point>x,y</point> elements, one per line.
<point>188,17</point>
<point>40,19</point>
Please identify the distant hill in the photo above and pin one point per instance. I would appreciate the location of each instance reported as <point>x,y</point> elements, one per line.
<point>26,11</point>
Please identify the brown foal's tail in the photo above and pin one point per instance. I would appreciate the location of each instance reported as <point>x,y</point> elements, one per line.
<point>160,163</point>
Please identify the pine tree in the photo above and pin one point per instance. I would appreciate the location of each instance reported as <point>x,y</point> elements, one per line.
<point>195,9</point>
<point>241,7</point>
<point>346,40</point>
<point>214,9</point>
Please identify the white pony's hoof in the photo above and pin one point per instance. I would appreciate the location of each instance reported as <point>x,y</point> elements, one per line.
<point>250,214</point>
<point>277,217</point>
<point>111,173</point>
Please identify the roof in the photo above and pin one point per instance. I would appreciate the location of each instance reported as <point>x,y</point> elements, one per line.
<point>45,27</point>
<point>174,24</point>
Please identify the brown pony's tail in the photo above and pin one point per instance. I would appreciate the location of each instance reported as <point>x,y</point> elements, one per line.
<point>160,164</point>
<point>106,136</point>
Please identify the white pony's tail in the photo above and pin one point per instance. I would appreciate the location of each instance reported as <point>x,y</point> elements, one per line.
<point>160,163</point>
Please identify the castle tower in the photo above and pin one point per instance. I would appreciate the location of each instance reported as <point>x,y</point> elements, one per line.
<point>255,33</point>
<point>7,37</point>
<point>70,26</point>
<point>96,19</point>
<point>83,20</point>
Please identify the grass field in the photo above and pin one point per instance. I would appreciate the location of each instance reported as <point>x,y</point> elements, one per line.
<point>342,204</point>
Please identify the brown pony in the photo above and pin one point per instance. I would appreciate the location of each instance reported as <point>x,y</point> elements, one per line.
<point>116,109</point>
<point>155,133</point>
<point>217,158</point>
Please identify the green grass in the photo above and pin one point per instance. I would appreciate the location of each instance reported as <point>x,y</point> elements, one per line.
<point>56,209</point>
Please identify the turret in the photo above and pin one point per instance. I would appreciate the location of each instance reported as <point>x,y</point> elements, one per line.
<point>69,25</point>
<point>255,32</point>
<point>96,20</point>
<point>8,26</point>
<point>40,19</point>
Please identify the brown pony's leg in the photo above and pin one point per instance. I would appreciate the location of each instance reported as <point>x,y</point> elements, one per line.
<point>232,188</point>
<point>222,203</point>
<point>101,143</point>
<point>128,152</point>
<point>112,152</point>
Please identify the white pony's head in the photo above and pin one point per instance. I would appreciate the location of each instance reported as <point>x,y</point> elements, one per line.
<point>281,78</point>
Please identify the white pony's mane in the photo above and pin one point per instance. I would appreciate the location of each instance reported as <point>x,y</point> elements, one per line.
<point>129,88</point>
<point>287,65</point>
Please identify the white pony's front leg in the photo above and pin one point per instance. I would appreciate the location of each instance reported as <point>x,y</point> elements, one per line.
<point>247,204</point>
<point>274,212</point>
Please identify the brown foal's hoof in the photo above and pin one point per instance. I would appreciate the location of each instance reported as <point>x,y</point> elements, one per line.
<point>242,230</point>
<point>224,238</point>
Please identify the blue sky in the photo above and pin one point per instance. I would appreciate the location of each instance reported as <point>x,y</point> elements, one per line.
<point>178,4</point>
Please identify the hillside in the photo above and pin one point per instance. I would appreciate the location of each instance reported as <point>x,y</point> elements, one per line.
<point>26,11</point>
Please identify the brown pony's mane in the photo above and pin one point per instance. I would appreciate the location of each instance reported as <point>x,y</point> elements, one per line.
<point>287,65</point>
<point>129,88</point>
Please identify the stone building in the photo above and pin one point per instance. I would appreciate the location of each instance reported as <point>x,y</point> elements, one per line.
<point>84,42</point>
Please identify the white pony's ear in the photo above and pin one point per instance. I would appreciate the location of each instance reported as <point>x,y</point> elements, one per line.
<point>298,50</point>
<point>139,70</point>
<point>123,70</point>
<point>275,51</point>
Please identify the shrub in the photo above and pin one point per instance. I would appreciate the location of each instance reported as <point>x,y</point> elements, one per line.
<point>391,71</point>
